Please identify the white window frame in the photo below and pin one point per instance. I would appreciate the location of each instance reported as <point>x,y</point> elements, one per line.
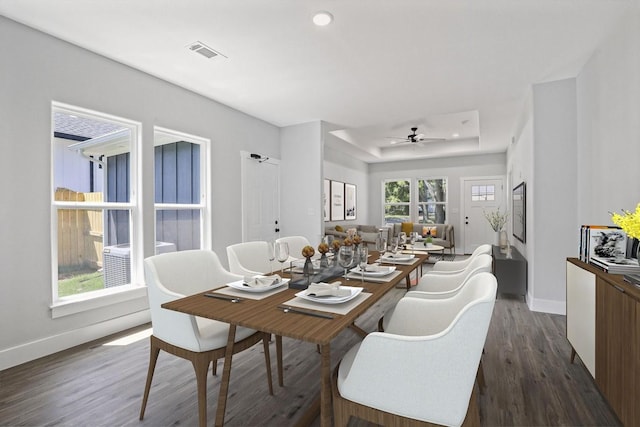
<point>413,196</point>
<point>205,177</point>
<point>63,306</point>
<point>416,218</point>
<point>384,200</point>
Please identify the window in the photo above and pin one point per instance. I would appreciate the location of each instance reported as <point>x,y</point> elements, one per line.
<point>180,191</point>
<point>397,201</point>
<point>432,201</point>
<point>93,202</point>
<point>422,200</point>
<point>483,193</point>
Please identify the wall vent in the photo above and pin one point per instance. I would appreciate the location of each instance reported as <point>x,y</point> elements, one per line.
<point>204,50</point>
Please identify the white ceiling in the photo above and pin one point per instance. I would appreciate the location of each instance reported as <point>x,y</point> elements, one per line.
<point>382,66</point>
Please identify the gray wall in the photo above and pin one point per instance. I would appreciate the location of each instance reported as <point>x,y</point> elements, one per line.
<point>36,69</point>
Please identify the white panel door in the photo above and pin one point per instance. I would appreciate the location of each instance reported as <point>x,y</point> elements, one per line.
<point>260,199</point>
<point>479,196</point>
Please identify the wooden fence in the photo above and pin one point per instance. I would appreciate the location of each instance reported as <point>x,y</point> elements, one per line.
<point>80,232</point>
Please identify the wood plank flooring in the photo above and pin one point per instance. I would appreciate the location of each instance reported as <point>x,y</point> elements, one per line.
<point>530,381</point>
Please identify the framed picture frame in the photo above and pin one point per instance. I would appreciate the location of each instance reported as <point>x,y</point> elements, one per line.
<point>518,212</point>
<point>337,201</point>
<point>350,201</point>
<point>326,199</point>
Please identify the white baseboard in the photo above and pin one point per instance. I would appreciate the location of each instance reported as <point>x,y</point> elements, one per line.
<point>547,306</point>
<point>43,347</point>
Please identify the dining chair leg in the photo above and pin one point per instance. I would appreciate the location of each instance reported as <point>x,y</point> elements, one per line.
<point>214,368</point>
<point>480,377</point>
<point>267,359</point>
<point>279,361</point>
<point>153,358</point>
<point>201,366</point>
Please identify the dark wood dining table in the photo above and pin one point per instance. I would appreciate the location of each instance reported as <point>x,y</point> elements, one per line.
<point>266,315</point>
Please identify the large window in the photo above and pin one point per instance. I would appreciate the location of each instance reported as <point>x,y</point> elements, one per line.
<point>93,202</point>
<point>397,200</point>
<point>422,200</point>
<point>180,191</point>
<point>432,201</point>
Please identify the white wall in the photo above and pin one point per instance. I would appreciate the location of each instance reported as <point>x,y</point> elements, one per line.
<point>580,164</point>
<point>452,168</point>
<point>553,193</point>
<point>608,93</point>
<point>301,209</point>
<point>39,69</point>
<point>339,166</point>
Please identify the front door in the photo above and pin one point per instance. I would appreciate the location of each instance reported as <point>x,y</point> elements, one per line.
<point>480,195</point>
<point>260,199</point>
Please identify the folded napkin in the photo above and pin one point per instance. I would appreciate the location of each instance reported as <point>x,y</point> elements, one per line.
<point>392,255</point>
<point>374,268</point>
<point>327,290</point>
<point>262,281</point>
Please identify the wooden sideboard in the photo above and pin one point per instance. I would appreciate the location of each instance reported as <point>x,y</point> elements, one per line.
<point>603,328</point>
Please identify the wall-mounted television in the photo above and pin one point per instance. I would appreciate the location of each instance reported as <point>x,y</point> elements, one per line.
<point>518,212</point>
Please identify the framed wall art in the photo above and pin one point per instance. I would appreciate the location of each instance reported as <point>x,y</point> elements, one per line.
<point>337,201</point>
<point>349,201</point>
<point>326,200</point>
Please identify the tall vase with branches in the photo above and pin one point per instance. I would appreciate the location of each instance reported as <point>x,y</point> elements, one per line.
<point>497,220</point>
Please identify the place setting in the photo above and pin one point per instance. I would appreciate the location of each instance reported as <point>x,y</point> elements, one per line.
<point>330,297</point>
<point>251,287</point>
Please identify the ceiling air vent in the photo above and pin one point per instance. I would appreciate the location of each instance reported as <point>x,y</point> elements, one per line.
<point>204,50</point>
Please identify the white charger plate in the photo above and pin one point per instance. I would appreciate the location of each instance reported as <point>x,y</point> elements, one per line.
<point>375,270</point>
<point>257,289</point>
<point>355,291</point>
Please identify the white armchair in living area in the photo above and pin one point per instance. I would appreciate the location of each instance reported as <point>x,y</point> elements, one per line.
<point>250,258</point>
<point>202,341</point>
<point>423,368</point>
<point>450,266</point>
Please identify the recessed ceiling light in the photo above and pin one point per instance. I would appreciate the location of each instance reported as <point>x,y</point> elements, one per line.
<point>322,18</point>
<point>455,135</point>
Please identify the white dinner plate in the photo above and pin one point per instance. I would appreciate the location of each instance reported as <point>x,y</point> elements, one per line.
<point>355,291</point>
<point>241,286</point>
<point>398,257</point>
<point>375,270</point>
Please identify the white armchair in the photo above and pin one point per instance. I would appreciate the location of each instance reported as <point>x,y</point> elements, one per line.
<point>172,276</point>
<point>442,285</point>
<point>250,258</point>
<point>424,366</point>
<point>449,266</point>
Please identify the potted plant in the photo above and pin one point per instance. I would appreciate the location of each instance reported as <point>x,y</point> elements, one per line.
<point>497,220</point>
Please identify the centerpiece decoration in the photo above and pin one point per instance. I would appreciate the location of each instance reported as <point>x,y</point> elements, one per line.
<point>630,224</point>
<point>323,248</point>
<point>497,220</point>
<point>428,239</point>
<point>308,252</point>
<point>335,247</point>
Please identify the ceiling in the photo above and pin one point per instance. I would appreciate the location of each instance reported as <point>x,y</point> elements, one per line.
<point>382,66</point>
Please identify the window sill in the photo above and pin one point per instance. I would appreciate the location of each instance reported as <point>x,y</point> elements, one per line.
<point>92,300</point>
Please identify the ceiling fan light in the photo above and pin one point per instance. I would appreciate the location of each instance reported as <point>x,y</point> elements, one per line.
<point>322,18</point>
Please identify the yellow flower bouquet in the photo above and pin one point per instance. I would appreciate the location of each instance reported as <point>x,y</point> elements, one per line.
<point>628,221</point>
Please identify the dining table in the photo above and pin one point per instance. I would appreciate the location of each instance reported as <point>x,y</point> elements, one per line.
<point>283,314</point>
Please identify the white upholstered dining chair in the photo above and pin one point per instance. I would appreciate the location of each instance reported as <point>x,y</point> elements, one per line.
<point>454,266</point>
<point>422,369</point>
<point>202,341</point>
<point>442,285</point>
<point>296,243</point>
<point>250,258</point>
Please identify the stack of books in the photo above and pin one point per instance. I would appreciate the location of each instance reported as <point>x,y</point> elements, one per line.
<point>606,247</point>
<point>617,266</point>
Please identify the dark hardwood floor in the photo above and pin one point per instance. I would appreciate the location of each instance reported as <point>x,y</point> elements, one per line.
<point>530,381</point>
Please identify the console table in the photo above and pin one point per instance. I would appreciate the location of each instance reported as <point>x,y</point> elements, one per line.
<point>511,273</point>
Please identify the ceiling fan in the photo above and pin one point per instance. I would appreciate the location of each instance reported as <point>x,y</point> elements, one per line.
<point>413,138</point>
